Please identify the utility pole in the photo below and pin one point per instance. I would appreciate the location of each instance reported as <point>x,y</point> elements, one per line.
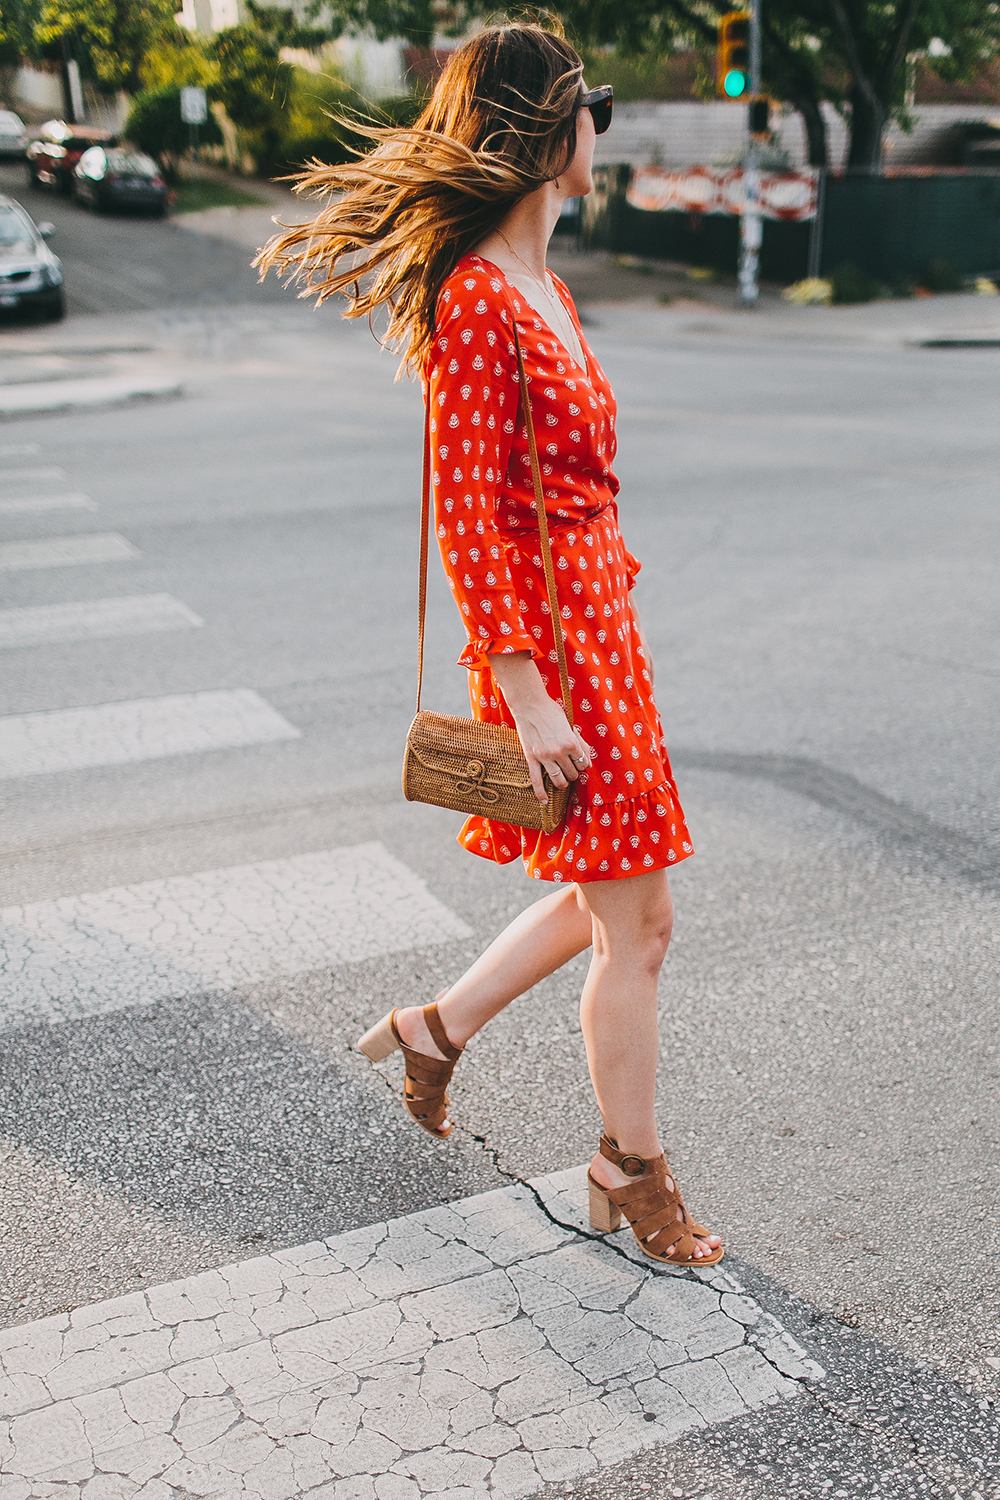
<point>751,231</point>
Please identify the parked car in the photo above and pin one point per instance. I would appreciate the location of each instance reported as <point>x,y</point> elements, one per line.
<point>119,177</point>
<point>52,158</point>
<point>30,275</point>
<point>13,136</point>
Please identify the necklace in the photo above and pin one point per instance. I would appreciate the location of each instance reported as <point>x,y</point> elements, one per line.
<point>563,321</point>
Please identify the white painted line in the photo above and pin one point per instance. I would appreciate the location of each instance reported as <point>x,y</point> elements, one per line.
<point>68,739</point>
<point>46,502</point>
<point>6,475</point>
<point>66,551</point>
<point>94,619</point>
<point>473,1350</point>
<point>55,395</point>
<point>86,955</point>
<point>17,450</point>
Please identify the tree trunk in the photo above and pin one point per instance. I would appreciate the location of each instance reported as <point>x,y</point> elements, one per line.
<point>815,127</point>
<point>868,123</point>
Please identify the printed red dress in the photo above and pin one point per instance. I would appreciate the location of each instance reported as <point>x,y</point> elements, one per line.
<point>625,816</point>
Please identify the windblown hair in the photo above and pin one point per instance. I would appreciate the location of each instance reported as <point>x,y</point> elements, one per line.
<point>500,122</point>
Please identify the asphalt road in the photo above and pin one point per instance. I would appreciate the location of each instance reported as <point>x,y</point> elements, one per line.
<point>817,520</point>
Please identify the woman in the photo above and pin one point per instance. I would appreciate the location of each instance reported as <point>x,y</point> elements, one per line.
<point>449,223</point>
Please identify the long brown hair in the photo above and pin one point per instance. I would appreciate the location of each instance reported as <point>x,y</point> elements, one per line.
<point>501,121</point>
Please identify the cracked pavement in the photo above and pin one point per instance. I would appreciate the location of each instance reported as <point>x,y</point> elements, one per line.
<point>475,1348</point>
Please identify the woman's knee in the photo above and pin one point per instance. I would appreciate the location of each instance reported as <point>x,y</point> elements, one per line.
<point>657,932</point>
<point>643,940</point>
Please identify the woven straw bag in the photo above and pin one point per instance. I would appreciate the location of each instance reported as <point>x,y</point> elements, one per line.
<point>466,764</point>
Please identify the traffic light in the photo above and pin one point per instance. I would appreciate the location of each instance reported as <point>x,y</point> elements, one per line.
<point>732,78</point>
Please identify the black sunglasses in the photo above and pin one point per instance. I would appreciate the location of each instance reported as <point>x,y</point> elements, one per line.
<point>599,102</point>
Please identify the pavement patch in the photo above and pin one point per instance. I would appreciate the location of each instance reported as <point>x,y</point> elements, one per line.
<point>36,504</point>
<point>111,734</point>
<point>90,954</point>
<point>57,395</point>
<point>66,551</point>
<point>480,1348</point>
<point>94,619</point>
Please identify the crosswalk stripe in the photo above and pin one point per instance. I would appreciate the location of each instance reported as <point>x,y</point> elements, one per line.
<point>134,945</point>
<point>17,450</point>
<point>69,739</point>
<point>66,551</point>
<point>94,619</point>
<point>23,503</point>
<point>473,1349</point>
<point>6,475</point>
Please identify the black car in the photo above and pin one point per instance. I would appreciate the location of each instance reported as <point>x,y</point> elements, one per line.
<point>52,158</point>
<point>120,177</point>
<point>30,275</point>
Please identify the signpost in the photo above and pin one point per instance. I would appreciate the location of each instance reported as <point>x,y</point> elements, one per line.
<point>194,112</point>
<point>751,224</point>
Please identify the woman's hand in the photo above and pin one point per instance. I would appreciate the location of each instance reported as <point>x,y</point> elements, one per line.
<point>547,738</point>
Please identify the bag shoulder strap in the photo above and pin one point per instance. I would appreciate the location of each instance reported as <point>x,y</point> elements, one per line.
<point>543,532</point>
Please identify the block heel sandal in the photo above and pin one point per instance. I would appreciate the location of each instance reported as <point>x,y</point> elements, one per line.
<point>654,1209</point>
<point>427,1078</point>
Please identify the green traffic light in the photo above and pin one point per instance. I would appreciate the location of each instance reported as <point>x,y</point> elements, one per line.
<point>735,83</point>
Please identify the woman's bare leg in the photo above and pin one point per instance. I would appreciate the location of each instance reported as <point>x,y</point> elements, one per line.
<point>539,941</point>
<point>632,922</point>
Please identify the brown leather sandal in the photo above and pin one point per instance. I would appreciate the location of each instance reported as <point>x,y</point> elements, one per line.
<point>427,1078</point>
<point>653,1207</point>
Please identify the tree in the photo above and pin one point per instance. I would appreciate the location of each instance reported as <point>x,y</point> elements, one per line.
<point>851,53</point>
<point>113,35</point>
<point>249,64</point>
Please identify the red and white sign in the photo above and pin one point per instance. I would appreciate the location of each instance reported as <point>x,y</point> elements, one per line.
<point>790,196</point>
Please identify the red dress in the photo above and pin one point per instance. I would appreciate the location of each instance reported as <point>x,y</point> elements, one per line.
<point>625,816</point>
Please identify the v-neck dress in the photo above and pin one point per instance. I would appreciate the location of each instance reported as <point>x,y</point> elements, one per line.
<point>625,816</point>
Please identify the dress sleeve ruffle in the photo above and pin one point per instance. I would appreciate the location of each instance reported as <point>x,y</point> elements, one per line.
<point>632,567</point>
<point>476,652</point>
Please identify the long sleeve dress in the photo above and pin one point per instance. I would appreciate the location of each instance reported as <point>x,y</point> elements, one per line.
<point>625,816</point>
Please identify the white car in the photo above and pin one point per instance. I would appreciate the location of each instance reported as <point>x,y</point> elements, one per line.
<point>13,136</point>
<point>30,275</point>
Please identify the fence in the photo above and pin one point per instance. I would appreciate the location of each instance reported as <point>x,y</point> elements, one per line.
<point>889,226</point>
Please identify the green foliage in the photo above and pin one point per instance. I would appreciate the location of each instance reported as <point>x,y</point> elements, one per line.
<point>248,83</point>
<point>17,31</point>
<point>181,59</point>
<point>154,124</point>
<point>109,37</point>
<point>851,284</point>
<point>282,26</point>
<point>310,123</point>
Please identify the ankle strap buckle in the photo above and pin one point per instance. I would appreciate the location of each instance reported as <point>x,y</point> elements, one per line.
<point>632,1166</point>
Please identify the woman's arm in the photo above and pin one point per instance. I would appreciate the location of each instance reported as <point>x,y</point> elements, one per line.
<point>547,738</point>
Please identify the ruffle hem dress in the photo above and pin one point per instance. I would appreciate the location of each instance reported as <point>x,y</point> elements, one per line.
<point>625,816</point>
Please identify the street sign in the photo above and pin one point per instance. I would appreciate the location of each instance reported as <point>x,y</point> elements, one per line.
<point>194,106</point>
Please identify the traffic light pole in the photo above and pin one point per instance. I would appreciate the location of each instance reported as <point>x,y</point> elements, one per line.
<point>751,228</point>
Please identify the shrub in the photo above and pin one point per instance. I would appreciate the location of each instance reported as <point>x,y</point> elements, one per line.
<point>850,284</point>
<point>154,124</point>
